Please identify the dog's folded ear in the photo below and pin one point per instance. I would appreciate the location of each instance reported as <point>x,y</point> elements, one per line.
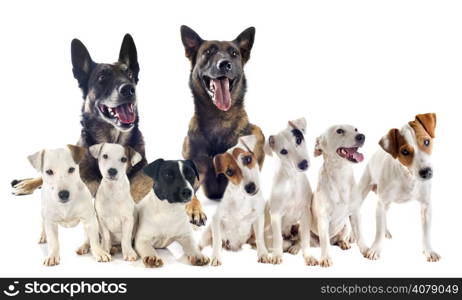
<point>128,55</point>
<point>299,124</point>
<point>245,42</point>
<point>77,153</point>
<point>218,163</point>
<point>269,145</point>
<point>133,156</point>
<point>95,150</point>
<point>390,143</point>
<point>191,42</point>
<point>428,121</point>
<point>193,166</point>
<point>152,170</point>
<point>320,144</point>
<point>82,64</point>
<point>36,160</point>
<point>248,142</point>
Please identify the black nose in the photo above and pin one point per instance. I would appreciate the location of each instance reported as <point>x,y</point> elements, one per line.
<point>63,195</point>
<point>127,90</point>
<point>186,194</point>
<point>112,172</point>
<point>225,66</point>
<point>426,173</point>
<point>360,137</point>
<point>303,165</point>
<point>250,188</point>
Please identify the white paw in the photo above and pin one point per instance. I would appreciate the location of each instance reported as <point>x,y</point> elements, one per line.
<point>432,256</point>
<point>51,261</point>
<point>263,258</point>
<point>373,253</point>
<point>130,255</point>
<point>388,234</point>
<point>293,249</point>
<point>215,262</point>
<point>42,239</point>
<point>84,249</point>
<point>326,262</point>
<point>199,260</point>
<point>276,259</point>
<point>101,255</point>
<point>310,260</point>
<point>152,262</point>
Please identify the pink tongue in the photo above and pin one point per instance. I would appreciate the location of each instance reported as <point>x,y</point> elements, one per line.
<point>124,114</point>
<point>359,157</point>
<point>222,95</point>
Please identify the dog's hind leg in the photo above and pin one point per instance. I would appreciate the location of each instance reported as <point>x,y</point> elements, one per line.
<point>26,186</point>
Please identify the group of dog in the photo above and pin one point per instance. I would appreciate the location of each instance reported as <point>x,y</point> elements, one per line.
<point>139,207</point>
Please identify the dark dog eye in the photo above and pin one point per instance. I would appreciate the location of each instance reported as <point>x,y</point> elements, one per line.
<point>123,159</point>
<point>233,53</point>
<point>71,170</point>
<point>247,160</point>
<point>130,74</point>
<point>168,175</point>
<point>405,152</point>
<point>49,172</point>
<point>283,152</point>
<point>427,142</point>
<point>298,141</point>
<point>356,129</point>
<point>340,131</point>
<point>105,156</point>
<point>101,78</point>
<point>229,172</point>
<point>207,52</point>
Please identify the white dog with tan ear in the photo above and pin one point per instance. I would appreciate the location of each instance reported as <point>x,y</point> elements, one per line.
<point>113,202</point>
<point>291,193</point>
<point>337,197</point>
<point>399,172</point>
<point>66,200</point>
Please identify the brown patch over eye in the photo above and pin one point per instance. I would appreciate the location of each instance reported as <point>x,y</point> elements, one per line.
<point>397,146</point>
<point>248,159</point>
<point>225,164</point>
<point>406,154</point>
<point>424,140</point>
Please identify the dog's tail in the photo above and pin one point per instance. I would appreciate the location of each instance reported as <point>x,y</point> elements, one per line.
<point>26,186</point>
<point>365,184</point>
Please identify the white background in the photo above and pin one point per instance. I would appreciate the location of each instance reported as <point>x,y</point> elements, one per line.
<point>373,64</point>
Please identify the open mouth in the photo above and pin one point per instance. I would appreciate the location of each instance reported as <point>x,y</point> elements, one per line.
<point>219,89</point>
<point>350,154</point>
<point>122,115</point>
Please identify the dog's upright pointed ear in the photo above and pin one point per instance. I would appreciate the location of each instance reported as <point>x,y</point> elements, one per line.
<point>129,56</point>
<point>95,150</point>
<point>82,65</point>
<point>390,142</point>
<point>77,153</point>
<point>36,160</point>
<point>193,166</point>
<point>269,145</point>
<point>245,42</point>
<point>133,156</point>
<point>428,122</point>
<point>319,146</point>
<point>299,124</point>
<point>152,170</point>
<point>191,42</point>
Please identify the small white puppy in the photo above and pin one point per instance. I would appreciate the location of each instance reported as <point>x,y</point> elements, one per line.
<point>337,196</point>
<point>291,193</point>
<point>66,200</point>
<point>113,202</point>
<point>162,214</point>
<point>399,172</point>
<point>241,210</point>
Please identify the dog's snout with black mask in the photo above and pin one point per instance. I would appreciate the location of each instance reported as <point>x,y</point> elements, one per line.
<point>174,180</point>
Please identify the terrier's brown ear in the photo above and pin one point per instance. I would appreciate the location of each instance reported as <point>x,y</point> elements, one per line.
<point>318,147</point>
<point>219,163</point>
<point>390,142</point>
<point>77,153</point>
<point>428,122</point>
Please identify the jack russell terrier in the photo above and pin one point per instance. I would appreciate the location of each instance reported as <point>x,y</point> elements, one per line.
<point>162,214</point>
<point>66,200</point>
<point>291,193</point>
<point>402,171</point>
<point>240,214</point>
<point>337,197</point>
<point>113,202</point>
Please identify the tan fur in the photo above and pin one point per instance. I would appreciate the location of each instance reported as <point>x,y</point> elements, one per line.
<point>428,121</point>
<point>395,145</point>
<point>239,153</point>
<point>421,136</point>
<point>225,162</point>
<point>77,153</point>
<point>259,147</point>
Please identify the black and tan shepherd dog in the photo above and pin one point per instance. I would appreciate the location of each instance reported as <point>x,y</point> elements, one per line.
<point>218,85</point>
<point>109,115</point>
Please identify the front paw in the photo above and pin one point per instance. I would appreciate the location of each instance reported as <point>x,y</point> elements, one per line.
<point>326,262</point>
<point>264,258</point>
<point>152,262</point>
<point>196,215</point>
<point>216,261</point>
<point>101,255</point>
<point>310,260</point>
<point>82,250</point>
<point>344,245</point>
<point>373,253</point>
<point>276,259</point>
<point>130,255</point>
<point>294,249</point>
<point>199,260</point>
<point>51,261</point>
<point>432,256</point>
<point>43,239</point>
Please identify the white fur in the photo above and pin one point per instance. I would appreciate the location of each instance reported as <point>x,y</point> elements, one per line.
<point>78,208</point>
<point>397,183</point>
<point>336,199</point>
